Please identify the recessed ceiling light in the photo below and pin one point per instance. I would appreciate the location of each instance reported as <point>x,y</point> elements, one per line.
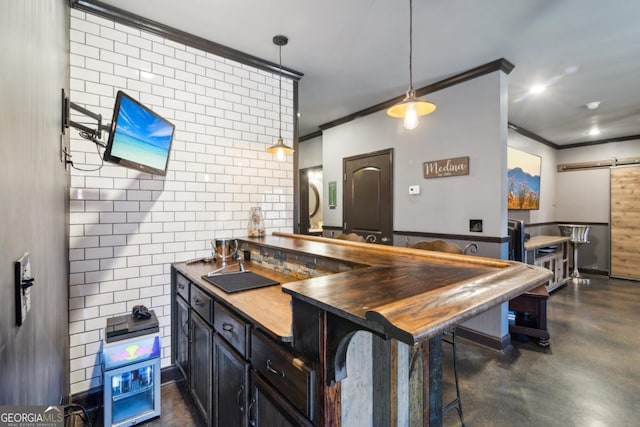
<point>571,69</point>
<point>594,131</point>
<point>592,105</point>
<point>536,89</point>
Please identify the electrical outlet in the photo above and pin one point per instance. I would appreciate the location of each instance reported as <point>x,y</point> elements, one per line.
<point>475,225</point>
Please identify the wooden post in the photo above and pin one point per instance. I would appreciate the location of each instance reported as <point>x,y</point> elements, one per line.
<point>385,381</point>
<point>432,381</point>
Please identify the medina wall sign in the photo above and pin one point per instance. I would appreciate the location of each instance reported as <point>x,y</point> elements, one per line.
<point>446,167</point>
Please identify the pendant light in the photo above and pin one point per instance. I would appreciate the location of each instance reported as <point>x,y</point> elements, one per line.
<point>280,148</point>
<point>411,107</point>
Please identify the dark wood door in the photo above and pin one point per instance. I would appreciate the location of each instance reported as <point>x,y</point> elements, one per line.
<point>310,200</point>
<point>368,196</point>
<point>231,387</point>
<point>201,365</point>
<point>305,223</point>
<point>182,336</point>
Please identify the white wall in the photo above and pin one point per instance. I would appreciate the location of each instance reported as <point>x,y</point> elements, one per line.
<point>576,196</point>
<point>584,195</point>
<point>457,128</point>
<point>128,227</point>
<point>310,153</point>
<point>581,196</point>
<point>548,190</point>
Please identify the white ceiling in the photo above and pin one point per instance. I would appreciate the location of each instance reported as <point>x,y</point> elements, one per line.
<point>354,53</point>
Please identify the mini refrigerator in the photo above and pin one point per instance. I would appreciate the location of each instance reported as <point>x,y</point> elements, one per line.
<point>131,371</point>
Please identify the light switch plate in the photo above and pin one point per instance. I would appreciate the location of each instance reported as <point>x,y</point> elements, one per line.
<point>23,283</point>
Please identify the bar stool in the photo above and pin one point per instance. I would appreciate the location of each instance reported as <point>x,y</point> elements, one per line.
<point>448,337</point>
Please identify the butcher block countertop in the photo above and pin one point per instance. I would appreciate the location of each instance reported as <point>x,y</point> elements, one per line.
<point>409,294</point>
<point>268,308</point>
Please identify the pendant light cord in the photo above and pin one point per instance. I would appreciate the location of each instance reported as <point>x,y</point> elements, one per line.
<point>410,45</point>
<point>280,94</point>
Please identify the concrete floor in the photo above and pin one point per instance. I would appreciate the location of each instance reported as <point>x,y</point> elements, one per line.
<point>588,376</point>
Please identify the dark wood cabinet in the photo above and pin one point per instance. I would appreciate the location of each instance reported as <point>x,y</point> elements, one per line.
<point>285,372</point>
<point>231,385</point>
<point>269,408</point>
<point>182,336</point>
<point>201,364</point>
<point>236,376</point>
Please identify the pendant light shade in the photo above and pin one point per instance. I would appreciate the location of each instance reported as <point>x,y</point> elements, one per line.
<point>280,148</point>
<point>411,107</point>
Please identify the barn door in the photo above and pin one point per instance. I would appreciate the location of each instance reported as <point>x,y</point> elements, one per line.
<point>368,198</point>
<point>625,222</point>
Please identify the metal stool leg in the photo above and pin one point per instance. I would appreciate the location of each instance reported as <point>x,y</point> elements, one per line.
<point>457,402</point>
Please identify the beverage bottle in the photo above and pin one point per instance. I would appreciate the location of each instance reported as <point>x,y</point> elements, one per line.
<point>115,385</point>
<point>125,383</point>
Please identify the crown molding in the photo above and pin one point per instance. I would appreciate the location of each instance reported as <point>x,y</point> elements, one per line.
<point>599,141</point>
<point>126,18</point>
<point>497,65</point>
<point>524,132</point>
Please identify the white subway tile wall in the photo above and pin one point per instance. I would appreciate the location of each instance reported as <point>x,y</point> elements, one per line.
<point>127,227</point>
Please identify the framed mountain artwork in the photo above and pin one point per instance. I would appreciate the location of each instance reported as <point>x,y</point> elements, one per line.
<point>523,180</point>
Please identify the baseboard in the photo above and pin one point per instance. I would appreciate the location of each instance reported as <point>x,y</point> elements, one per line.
<point>484,340</point>
<point>592,271</point>
<point>170,374</point>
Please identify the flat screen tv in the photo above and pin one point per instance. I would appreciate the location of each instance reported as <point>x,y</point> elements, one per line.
<point>139,139</point>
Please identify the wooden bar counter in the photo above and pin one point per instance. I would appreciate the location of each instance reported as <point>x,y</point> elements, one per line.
<point>398,294</point>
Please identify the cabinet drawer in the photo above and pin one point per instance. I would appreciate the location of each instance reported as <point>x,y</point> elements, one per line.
<point>201,303</point>
<point>182,286</point>
<point>232,328</point>
<point>285,372</point>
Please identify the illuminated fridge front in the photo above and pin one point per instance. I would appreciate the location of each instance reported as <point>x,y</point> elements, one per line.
<point>131,380</point>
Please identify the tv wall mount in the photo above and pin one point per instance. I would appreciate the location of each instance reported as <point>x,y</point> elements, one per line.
<point>86,132</point>
<point>92,134</point>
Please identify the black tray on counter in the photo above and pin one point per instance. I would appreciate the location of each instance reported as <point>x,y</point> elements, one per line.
<point>239,281</point>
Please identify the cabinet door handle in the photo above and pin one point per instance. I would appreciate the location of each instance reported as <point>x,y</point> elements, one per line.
<point>185,324</point>
<point>180,285</point>
<point>274,371</point>
<point>252,419</point>
<point>239,399</point>
<point>197,302</point>
<point>227,327</point>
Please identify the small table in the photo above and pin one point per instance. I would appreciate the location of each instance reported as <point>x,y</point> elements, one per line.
<point>550,252</point>
<point>534,302</point>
